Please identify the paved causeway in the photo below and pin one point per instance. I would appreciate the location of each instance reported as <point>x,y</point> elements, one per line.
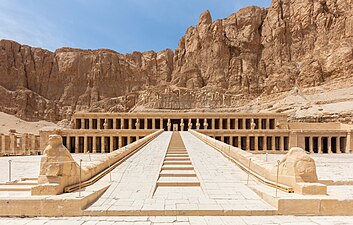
<point>203,182</point>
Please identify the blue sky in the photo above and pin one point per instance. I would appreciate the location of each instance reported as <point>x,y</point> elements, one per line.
<point>124,26</point>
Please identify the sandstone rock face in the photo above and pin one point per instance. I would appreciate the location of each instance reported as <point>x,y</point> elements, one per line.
<point>218,64</point>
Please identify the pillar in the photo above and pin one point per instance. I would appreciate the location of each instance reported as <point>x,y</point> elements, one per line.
<point>182,124</point>
<point>189,124</point>
<point>103,145</point>
<point>197,124</point>
<point>222,138</point>
<point>231,140</point>
<point>94,144</point>
<point>121,123</point>
<point>213,123</point>
<point>68,143</point>
<point>239,142</point>
<point>76,144</point>
<point>90,123</point>
<point>146,123</point>
<point>311,144</point>
<point>244,123</point>
<point>338,144</point>
<point>114,123</point>
<point>220,123</point>
<point>85,144</point>
<point>256,143</point>
<point>12,143</point>
<point>120,141</point>
<point>130,124</point>
<point>319,144</point>
<point>349,146</point>
<point>98,123</point>
<point>228,123</point>
<point>3,141</point>
<point>169,125</point>
<point>265,143</point>
<point>24,143</point>
<point>128,139</point>
<point>247,143</point>
<point>82,123</point>
<point>205,124</point>
<point>111,144</point>
<point>161,123</point>
<point>236,124</point>
<point>329,148</point>
<point>137,124</point>
<point>273,143</point>
<point>153,123</point>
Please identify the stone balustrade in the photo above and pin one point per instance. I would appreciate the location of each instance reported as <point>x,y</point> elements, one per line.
<point>58,169</point>
<point>297,169</point>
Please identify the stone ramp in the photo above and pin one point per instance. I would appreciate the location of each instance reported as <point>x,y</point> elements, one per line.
<point>145,185</point>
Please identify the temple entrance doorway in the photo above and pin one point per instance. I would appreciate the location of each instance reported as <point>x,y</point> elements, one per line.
<point>175,127</point>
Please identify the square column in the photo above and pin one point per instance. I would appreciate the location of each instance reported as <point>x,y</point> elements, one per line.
<point>161,123</point>
<point>338,144</point>
<point>76,144</point>
<point>130,124</point>
<point>3,139</point>
<point>329,148</point>
<point>319,144</point>
<point>244,123</point>
<point>247,143</point>
<point>12,143</point>
<point>235,124</point>
<point>220,123</point>
<point>273,143</point>
<point>82,123</point>
<point>90,123</point>
<point>85,144</point>
<point>213,123</point>
<point>228,123</point>
<point>114,124</point>
<point>239,142</point>
<point>103,145</point>
<point>120,142</point>
<point>111,144</point>
<point>153,123</point>
<point>197,124</point>
<point>68,143</point>
<point>311,144</point>
<point>265,143</point>
<point>94,144</point>
<point>231,140</point>
<point>98,123</point>
<point>256,143</point>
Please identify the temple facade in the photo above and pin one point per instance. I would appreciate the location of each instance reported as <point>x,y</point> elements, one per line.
<point>258,132</point>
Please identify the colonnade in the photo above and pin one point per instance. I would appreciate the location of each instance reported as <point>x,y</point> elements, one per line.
<point>97,143</point>
<point>181,123</point>
<point>325,144</point>
<point>24,144</point>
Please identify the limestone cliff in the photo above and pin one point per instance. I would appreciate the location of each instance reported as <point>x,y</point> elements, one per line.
<point>254,54</point>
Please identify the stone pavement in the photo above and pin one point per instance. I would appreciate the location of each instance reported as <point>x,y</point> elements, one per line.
<point>192,220</point>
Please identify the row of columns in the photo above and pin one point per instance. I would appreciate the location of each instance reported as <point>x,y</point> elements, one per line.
<point>94,142</point>
<point>252,124</point>
<point>24,144</point>
<point>311,147</point>
<point>268,143</point>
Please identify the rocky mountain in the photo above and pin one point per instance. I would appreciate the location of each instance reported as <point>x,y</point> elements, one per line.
<point>242,62</point>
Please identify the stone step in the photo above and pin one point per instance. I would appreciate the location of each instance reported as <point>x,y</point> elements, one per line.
<point>177,173</point>
<point>174,162</point>
<point>178,181</point>
<point>177,158</point>
<point>8,187</point>
<point>177,167</point>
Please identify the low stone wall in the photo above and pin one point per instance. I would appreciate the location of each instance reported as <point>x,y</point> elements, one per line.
<point>297,169</point>
<point>58,169</point>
